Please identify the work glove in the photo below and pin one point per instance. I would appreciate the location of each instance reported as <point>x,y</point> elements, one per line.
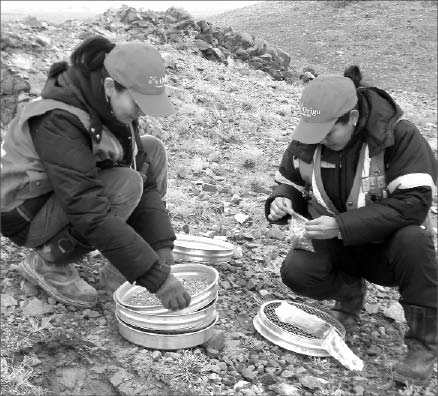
<point>173,295</point>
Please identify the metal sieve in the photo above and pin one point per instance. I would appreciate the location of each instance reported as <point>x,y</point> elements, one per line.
<point>201,249</point>
<point>168,323</point>
<point>166,341</point>
<point>291,337</point>
<point>181,271</point>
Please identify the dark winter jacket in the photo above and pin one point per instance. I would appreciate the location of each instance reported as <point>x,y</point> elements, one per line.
<point>65,149</point>
<point>407,157</point>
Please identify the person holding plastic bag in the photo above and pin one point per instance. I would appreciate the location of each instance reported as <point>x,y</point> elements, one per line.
<point>364,177</point>
<point>77,176</point>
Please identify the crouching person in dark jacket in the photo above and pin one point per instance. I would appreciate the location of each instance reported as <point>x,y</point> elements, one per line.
<point>364,177</point>
<point>77,176</point>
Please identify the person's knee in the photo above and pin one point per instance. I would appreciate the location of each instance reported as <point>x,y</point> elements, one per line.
<point>293,273</point>
<point>154,148</point>
<point>409,237</point>
<point>124,188</point>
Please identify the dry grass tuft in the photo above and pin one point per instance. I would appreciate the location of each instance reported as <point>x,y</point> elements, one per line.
<point>16,378</point>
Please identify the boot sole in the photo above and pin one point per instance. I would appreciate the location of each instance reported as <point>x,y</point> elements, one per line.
<point>27,273</point>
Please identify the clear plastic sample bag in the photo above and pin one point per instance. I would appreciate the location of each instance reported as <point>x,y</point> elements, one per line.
<point>298,236</point>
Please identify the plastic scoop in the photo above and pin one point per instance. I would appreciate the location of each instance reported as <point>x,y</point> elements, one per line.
<point>332,342</point>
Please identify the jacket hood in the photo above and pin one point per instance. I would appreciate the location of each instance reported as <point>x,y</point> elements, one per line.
<point>58,87</point>
<point>70,85</point>
<point>378,116</point>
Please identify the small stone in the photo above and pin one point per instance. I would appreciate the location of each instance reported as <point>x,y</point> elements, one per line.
<point>358,390</point>
<point>267,379</point>
<point>29,289</point>
<point>237,252</point>
<point>210,234</point>
<point>251,284</point>
<point>156,355</point>
<point>395,312</point>
<point>311,382</point>
<point>284,389</point>
<point>93,314</point>
<point>371,308</point>
<point>241,385</point>
<point>7,301</point>
<point>241,218</point>
<point>373,350</point>
<point>286,374</point>
<point>249,374</point>
<point>225,285</point>
<point>235,199</point>
<point>211,351</point>
<point>209,187</point>
<point>264,293</point>
<point>36,307</point>
<point>275,233</point>
<point>216,341</point>
<point>51,300</point>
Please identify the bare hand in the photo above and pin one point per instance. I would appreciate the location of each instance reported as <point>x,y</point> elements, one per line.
<point>280,207</point>
<point>324,227</point>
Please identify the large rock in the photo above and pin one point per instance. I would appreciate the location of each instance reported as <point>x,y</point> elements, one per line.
<point>284,56</point>
<point>259,47</point>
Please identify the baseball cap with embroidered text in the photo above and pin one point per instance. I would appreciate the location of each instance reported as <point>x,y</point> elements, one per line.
<point>324,100</point>
<point>140,68</point>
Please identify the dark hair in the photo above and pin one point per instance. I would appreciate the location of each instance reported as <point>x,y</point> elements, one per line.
<point>353,73</point>
<point>90,54</point>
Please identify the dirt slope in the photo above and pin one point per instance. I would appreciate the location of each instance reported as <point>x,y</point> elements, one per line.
<point>393,41</point>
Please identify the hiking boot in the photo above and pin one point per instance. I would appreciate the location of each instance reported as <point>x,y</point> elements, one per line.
<point>62,282</point>
<point>110,278</point>
<point>422,342</point>
<point>349,302</point>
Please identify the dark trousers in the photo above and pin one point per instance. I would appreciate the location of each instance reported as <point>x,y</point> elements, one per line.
<point>407,259</point>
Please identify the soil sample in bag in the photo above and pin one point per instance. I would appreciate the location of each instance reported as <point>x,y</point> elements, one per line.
<point>298,235</point>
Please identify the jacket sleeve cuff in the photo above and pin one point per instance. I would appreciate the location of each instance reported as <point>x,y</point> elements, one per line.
<point>163,244</point>
<point>155,277</point>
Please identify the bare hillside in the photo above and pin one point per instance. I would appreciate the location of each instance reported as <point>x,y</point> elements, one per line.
<point>393,41</point>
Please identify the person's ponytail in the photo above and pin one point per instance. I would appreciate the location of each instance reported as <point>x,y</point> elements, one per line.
<point>90,54</point>
<point>354,74</point>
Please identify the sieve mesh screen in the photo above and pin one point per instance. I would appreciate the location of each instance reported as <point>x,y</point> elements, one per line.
<point>269,311</point>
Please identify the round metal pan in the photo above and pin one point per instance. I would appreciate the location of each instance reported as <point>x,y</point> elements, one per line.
<point>165,341</point>
<point>201,249</point>
<point>171,322</point>
<point>290,337</point>
<point>181,271</point>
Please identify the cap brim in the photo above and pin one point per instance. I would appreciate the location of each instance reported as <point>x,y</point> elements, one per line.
<point>153,105</point>
<point>312,132</point>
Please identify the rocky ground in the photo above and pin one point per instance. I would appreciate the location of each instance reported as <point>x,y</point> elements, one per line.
<point>224,145</point>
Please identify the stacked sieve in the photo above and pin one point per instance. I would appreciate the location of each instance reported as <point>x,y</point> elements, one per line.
<point>155,327</point>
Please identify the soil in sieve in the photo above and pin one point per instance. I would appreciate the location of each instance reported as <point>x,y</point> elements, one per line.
<point>144,299</point>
